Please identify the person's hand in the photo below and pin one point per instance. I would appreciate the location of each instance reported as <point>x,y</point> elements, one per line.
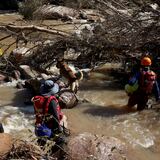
<point>38,124</point>
<point>60,99</point>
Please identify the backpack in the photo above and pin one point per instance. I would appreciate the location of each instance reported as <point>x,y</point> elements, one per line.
<point>130,89</point>
<point>41,106</point>
<point>148,79</point>
<point>42,130</point>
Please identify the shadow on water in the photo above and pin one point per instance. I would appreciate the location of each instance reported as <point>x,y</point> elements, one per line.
<point>103,79</point>
<point>108,111</point>
<point>99,85</point>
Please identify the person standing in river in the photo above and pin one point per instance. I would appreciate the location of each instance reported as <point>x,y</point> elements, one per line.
<point>141,86</point>
<point>48,113</point>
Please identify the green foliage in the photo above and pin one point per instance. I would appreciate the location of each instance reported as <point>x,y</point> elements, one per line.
<point>28,7</point>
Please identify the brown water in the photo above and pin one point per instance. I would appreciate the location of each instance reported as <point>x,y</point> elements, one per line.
<point>16,19</point>
<point>106,114</point>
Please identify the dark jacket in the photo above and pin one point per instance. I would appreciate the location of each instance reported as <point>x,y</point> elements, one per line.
<point>54,120</point>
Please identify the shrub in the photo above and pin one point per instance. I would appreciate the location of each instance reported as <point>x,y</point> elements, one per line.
<point>27,7</point>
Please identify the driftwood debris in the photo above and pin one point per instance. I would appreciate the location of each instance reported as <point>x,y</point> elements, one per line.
<point>127,28</point>
<point>12,28</point>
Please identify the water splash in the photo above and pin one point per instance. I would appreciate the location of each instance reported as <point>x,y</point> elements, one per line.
<point>134,132</point>
<point>15,120</point>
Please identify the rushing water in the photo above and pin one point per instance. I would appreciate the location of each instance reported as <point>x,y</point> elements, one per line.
<point>104,114</point>
<point>17,118</point>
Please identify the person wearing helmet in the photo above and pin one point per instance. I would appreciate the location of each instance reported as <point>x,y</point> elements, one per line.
<point>146,61</point>
<point>141,86</point>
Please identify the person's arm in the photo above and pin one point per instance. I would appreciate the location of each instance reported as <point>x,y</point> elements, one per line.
<point>53,111</point>
<point>156,91</point>
<point>133,79</point>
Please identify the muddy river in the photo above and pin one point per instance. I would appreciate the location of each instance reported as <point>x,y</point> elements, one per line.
<point>105,114</point>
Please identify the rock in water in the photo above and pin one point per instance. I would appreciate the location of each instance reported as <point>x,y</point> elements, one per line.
<point>89,146</point>
<point>6,144</point>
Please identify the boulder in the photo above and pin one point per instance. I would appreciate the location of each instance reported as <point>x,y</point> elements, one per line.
<point>6,144</point>
<point>45,76</point>
<point>28,72</point>
<point>67,13</point>
<point>2,78</point>
<point>89,146</point>
<point>16,74</point>
<point>34,85</point>
<point>32,88</point>
<point>19,54</point>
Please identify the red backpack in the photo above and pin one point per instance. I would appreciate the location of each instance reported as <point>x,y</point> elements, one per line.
<point>41,105</point>
<point>148,79</point>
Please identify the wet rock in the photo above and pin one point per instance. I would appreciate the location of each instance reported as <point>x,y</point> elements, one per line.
<point>28,97</point>
<point>53,71</point>
<point>16,74</point>
<point>33,84</point>
<point>88,146</point>
<point>6,144</point>
<point>2,78</point>
<point>67,99</point>
<point>45,76</point>
<point>86,72</point>
<point>28,72</point>
<point>19,85</point>
<point>32,88</point>
<point>18,54</point>
<point>86,31</point>
<point>6,78</point>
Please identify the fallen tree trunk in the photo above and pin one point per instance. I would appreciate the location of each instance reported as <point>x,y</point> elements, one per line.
<point>12,29</point>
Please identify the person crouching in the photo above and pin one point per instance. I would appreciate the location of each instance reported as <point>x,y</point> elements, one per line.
<point>48,112</point>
